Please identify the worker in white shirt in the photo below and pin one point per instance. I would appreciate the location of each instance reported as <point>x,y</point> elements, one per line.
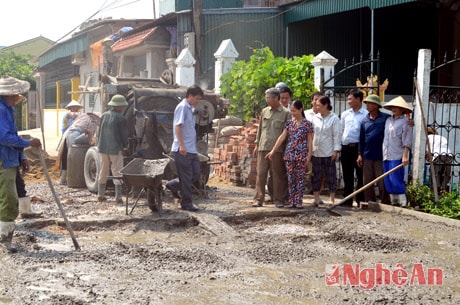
<point>442,158</point>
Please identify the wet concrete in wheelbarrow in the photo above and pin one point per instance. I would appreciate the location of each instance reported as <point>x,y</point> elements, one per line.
<point>228,253</point>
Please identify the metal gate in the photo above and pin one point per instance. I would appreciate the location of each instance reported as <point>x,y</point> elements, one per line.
<point>356,75</point>
<point>443,117</point>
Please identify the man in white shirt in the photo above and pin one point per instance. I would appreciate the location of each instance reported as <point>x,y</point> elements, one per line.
<point>442,158</point>
<point>350,121</point>
<point>310,113</point>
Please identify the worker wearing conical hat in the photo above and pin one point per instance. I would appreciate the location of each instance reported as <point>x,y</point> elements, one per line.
<point>11,146</point>
<point>74,108</point>
<point>397,142</point>
<point>67,121</point>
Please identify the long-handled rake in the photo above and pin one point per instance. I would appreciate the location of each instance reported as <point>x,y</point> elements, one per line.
<point>329,209</point>
<point>56,197</point>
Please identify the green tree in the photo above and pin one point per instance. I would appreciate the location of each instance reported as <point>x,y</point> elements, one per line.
<point>245,84</point>
<point>18,66</point>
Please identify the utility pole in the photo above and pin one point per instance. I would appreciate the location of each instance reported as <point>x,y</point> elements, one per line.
<point>197,10</point>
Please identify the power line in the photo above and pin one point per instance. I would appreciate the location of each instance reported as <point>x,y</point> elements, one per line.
<point>104,7</point>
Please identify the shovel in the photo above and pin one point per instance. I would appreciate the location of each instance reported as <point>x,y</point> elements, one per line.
<point>50,183</point>
<point>329,209</point>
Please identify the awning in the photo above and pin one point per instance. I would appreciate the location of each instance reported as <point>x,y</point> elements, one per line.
<point>67,48</point>
<point>318,8</point>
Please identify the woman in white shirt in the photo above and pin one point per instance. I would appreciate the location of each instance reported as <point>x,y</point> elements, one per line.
<point>326,148</point>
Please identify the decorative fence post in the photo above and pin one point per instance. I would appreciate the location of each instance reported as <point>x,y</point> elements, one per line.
<point>225,57</point>
<point>324,70</point>
<point>185,70</point>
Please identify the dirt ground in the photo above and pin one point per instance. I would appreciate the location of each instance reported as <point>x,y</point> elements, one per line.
<point>227,253</point>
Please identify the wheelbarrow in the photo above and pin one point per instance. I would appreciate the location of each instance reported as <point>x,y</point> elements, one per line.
<point>147,175</point>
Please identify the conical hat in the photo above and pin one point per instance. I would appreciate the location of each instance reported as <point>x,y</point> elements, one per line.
<point>73,103</point>
<point>398,102</point>
<point>13,86</point>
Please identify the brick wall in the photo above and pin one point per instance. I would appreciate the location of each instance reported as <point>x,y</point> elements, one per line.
<point>235,153</point>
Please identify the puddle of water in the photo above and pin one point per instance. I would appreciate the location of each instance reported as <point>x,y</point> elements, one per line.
<point>139,237</point>
<point>284,229</point>
<point>58,247</point>
<point>6,300</point>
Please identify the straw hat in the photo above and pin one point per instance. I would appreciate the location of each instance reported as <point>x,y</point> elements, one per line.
<point>398,102</point>
<point>73,103</point>
<point>118,100</point>
<point>13,86</point>
<point>373,99</point>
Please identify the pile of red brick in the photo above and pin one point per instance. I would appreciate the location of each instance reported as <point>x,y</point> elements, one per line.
<point>233,154</point>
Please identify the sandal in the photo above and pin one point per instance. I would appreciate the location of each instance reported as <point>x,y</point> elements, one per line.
<point>318,202</point>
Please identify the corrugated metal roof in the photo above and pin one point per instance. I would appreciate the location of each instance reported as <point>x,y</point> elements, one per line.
<point>80,41</point>
<point>317,8</point>
<point>168,6</point>
<point>249,29</point>
<point>70,47</point>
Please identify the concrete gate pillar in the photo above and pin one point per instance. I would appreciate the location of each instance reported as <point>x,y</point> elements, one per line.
<point>419,143</point>
<point>324,69</point>
<point>225,57</point>
<point>185,69</point>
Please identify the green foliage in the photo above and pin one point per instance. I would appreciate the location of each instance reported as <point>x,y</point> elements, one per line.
<point>422,196</point>
<point>18,66</point>
<point>245,84</point>
<point>419,195</point>
<point>448,206</point>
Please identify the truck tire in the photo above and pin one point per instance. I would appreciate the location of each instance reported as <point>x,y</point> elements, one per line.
<point>91,169</point>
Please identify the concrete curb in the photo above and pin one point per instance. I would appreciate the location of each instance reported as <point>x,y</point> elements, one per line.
<point>422,215</point>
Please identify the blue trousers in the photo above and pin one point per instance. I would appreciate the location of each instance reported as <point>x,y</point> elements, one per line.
<point>394,182</point>
<point>188,170</point>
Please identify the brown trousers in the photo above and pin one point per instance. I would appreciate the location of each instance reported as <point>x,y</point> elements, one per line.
<point>277,170</point>
<point>371,170</point>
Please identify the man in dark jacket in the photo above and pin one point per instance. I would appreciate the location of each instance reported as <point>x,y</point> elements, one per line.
<point>112,139</point>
